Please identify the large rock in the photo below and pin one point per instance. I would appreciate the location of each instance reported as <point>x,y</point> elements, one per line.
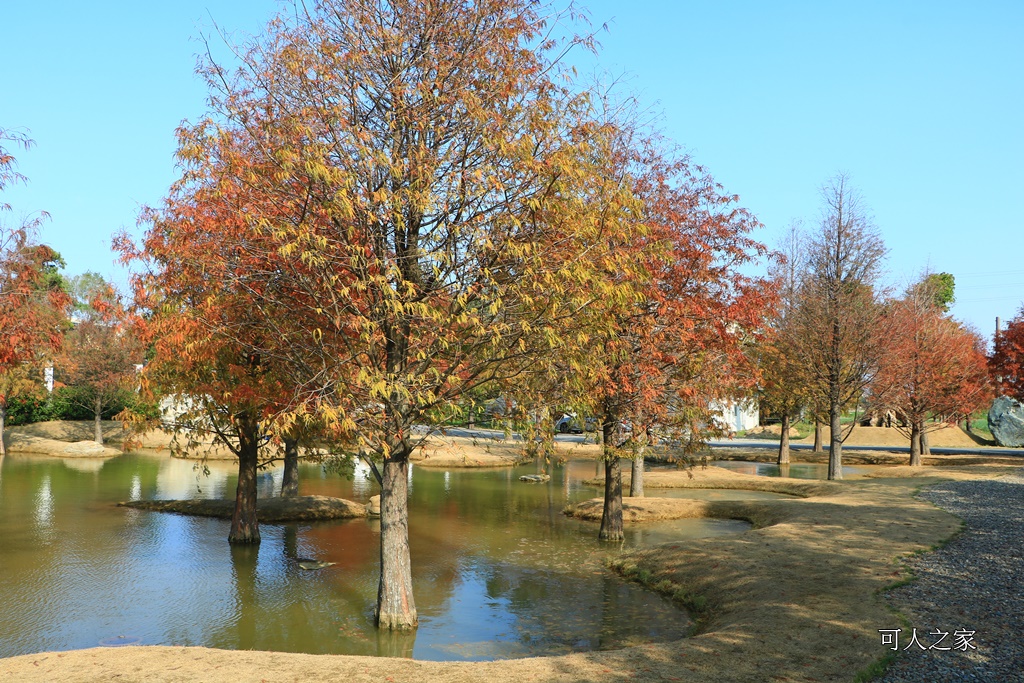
<point>1006,422</point>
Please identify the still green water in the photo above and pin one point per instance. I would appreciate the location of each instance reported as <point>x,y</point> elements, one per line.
<point>499,570</point>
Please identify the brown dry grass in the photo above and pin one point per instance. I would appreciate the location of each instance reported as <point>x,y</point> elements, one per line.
<point>943,437</point>
<point>458,451</point>
<point>799,598</point>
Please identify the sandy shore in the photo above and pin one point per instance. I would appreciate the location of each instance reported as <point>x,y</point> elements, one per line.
<point>797,598</point>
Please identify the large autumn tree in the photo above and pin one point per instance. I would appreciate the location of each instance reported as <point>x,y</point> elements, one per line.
<point>933,367</point>
<point>411,179</point>
<point>838,313</point>
<point>33,300</point>
<point>215,334</point>
<point>671,341</point>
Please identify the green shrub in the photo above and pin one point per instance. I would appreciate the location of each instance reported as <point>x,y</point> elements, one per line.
<point>25,410</point>
<point>76,403</point>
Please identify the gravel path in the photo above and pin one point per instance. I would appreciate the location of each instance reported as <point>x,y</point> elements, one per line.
<point>971,585</point>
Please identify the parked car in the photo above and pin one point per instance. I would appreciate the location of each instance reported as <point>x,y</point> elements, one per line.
<point>569,423</point>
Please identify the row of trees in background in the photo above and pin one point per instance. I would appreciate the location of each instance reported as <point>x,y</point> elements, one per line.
<point>839,344</point>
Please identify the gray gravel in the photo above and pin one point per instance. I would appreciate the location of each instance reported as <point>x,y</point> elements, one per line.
<point>972,584</point>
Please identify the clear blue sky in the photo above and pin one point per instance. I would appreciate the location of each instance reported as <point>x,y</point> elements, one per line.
<point>920,102</point>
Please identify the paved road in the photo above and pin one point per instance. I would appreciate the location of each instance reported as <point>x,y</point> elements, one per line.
<point>480,433</point>
<point>761,443</point>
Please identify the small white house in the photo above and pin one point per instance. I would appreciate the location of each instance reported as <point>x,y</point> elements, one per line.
<point>738,415</point>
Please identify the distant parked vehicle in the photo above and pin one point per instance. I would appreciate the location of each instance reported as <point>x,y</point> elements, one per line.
<point>569,423</point>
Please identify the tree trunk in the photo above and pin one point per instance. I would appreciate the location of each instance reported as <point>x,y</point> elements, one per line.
<point>290,485</point>
<point>396,609</point>
<point>611,516</point>
<point>835,455</point>
<point>98,415</point>
<point>636,475</point>
<point>3,425</point>
<point>925,447</point>
<point>245,527</point>
<point>818,447</point>
<point>784,441</point>
<point>915,443</point>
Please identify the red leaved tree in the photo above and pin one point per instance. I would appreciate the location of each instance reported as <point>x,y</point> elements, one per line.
<point>33,301</point>
<point>671,341</point>
<point>1007,361</point>
<point>933,367</point>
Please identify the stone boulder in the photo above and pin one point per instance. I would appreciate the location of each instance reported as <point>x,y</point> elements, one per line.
<point>1006,422</point>
<point>373,506</point>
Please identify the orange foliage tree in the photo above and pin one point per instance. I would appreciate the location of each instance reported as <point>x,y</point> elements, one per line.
<point>1007,361</point>
<point>671,341</point>
<point>204,311</point>
<point>933,367</point>
<point>33,301</point>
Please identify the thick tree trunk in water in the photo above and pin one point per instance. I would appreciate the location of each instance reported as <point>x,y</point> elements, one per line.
<point>396,609</point>
<point>611,515</point>
<point>98,414</point>
<point>290,485</point>
<point>818,448</point>
<point>915,443</point>
<point>636,476</point>
<point>835,455</point>
<point>3,425</point>
<point>784,441</point>
<point>245,527</point>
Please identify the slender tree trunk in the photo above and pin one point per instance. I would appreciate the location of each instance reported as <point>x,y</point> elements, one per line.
<point>925,447</point>
<point>290,485</point>
<point>3,425</point>
<point>97,410</point>
<point>636,477</point>
<point>611,516</point>
<point>396,609</point>
<point>784,441</point>
<point>245,526</point>
<point>818,447</point>
<point>915,443</point>
<point>835,455</point>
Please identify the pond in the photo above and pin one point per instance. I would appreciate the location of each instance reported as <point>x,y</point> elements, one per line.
<point>499,571</point>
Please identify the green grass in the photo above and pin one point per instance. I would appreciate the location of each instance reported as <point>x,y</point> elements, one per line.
<point>980,426</point>
<point>696,605</point>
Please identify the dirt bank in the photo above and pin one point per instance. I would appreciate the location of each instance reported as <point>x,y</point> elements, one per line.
<point>270,510</point>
